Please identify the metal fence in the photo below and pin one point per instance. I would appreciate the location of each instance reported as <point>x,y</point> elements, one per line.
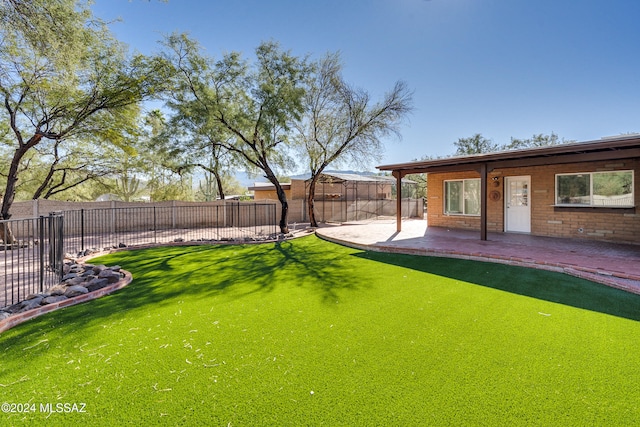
<point>32,258</point>
<point>98,229</point>
<point>34,261</point>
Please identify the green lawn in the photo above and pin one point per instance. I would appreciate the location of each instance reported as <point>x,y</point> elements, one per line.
<point>307,332</point>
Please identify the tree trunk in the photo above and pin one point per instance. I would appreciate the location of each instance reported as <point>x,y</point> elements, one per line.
<point>219,184</point>
<point>12,179</point>
<point>6,235</point>
<point>9,194</point>
<point>282,197</point>
<point>310,201</point>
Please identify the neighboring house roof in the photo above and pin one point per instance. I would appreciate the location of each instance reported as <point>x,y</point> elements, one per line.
<point>331,176</point>
<point>266,186</point>
<point>603,149</point>
<point>352,177</point>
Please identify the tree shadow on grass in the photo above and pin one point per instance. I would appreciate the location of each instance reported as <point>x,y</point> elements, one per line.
<point>233,272</point>
<point>166,275</point>
<point>541,284</point>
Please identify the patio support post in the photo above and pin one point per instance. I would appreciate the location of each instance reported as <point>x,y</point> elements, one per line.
<point>398,176</point>
<point>483,201</point>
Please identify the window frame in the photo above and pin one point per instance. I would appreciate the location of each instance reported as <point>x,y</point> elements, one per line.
<point>463,204</point>
<point>591,195</point>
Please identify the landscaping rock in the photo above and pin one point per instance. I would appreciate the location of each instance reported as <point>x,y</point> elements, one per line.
<point>51,300</point>
<point>97,268</point>
<point>97,283</point>
<point>111,276</point>
<point>75,290</point>
<point>78,279</point>
<point>30,304</point>
<point>57,290</point>
<point>13,308</point>
<point>69,276</point>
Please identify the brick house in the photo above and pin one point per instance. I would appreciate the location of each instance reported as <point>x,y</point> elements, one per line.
<point>332,186</point>
<point>579,190</point>
<point>267,191</point>
<point>343,197</point>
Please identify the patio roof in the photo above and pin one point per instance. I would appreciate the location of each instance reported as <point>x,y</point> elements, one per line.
<point>603,149</point>
<point>613,148</point>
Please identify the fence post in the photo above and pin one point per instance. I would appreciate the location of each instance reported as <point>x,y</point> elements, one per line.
<point>41,226</point>
<point>113,217</point>
<point>155,224</point>
<point>82,230</point>
<point>173,214</point>
<point>60,223</point>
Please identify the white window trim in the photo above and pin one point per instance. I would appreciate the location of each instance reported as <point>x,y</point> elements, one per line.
<point>444,199</point>
<point>591,204</point>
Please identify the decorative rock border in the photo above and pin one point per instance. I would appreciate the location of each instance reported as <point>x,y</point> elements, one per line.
<point>81,283</point>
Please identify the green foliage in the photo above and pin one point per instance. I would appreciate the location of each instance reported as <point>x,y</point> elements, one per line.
<point>306,332</point>
<point>341,124</point>
<point>478,144</point>
<point>419,189</point>
<point>63,77</point>
<point>475,144</point>
<point>247,109</point>
<point>538,140</point>
<point>612,183</point>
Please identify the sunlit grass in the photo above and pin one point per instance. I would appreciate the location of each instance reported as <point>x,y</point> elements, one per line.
<point>307,332</point>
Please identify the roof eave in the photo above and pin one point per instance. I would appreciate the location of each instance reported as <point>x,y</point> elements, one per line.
<point>537,152</point>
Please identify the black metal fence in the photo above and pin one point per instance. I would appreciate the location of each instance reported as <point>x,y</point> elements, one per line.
<point>31,256</point>
<point>33,249</point>
<point>99,229</point>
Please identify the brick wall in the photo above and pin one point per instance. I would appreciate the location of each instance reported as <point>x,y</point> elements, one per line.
<point>259,195</point>
<point>611,224</point>
<point>298,189</point>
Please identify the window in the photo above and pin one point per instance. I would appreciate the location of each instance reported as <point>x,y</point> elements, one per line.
<point>462,197</point>
<point>609,189</point>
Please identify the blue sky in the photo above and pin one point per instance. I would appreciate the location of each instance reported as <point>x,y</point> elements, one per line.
<point>502,68</point>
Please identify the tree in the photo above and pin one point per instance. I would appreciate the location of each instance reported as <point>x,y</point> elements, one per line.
<point>341,124</point>
<point>64,168</point>
<point>538,140</point>
<point>475,144</point>
<point>249,107</point>
<point>63,76</point>
<point>478,144</point>
<point>188,142</point>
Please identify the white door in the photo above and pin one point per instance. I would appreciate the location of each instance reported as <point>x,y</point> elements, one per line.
<point>518,207</point>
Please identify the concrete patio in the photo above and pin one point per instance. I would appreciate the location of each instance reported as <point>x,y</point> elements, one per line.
<point>616,265</point>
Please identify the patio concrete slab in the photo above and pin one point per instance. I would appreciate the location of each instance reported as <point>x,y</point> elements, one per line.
<point>616,265</point>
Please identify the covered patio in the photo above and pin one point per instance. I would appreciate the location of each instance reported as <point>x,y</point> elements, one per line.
<point>612,264</point>
<point>605,154</point>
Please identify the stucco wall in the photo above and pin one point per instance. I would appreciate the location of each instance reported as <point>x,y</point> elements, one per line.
<point>611,224</point>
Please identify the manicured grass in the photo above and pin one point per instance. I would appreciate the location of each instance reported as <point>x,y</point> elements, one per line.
<point>307,332</point>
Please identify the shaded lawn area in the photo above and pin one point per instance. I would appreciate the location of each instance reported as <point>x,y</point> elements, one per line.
<point>307,332</point>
